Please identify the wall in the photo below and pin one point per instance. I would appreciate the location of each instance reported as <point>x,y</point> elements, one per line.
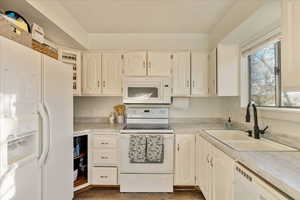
<point>284,124</point>
<point>181,108</point>
<point>240,11</point>
<point>149,41</point>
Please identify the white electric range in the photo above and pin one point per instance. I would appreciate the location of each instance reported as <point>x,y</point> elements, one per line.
<point>147,177</point>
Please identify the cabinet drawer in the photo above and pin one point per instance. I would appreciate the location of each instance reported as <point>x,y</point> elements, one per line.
<point>104,176</point>
<point>105,156</point>
<point>104,141</point>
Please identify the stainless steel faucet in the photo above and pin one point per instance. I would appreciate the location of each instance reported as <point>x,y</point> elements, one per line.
<point>256,129</point>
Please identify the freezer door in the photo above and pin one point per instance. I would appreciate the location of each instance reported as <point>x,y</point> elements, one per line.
<point>20,94</point>
<point>58,103</point>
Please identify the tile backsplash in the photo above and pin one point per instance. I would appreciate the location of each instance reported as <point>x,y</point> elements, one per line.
<point>211,107</point>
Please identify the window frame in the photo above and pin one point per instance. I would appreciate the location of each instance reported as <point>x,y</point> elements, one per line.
<point>277,76</point>
<point>278,79</point>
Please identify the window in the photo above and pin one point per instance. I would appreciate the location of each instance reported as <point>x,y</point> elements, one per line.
<point>264,75</point>
<point>265,80</point>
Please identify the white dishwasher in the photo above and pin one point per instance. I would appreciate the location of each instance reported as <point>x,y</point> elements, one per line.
<point>248,186</point>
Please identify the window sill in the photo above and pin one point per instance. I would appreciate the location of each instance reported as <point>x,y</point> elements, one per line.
<point>282,114</point>
<point>282,110</point>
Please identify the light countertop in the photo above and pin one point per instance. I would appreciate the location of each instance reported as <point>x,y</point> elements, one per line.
<point>281,169</point>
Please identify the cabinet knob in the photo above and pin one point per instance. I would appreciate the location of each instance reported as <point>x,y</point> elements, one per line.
<point>178,147</point>
<point>98,84</point>
<point>103,83</point>
<point>188,83</point>
<point>193,83</point>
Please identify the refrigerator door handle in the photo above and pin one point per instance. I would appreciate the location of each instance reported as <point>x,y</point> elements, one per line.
<point>46,134</point>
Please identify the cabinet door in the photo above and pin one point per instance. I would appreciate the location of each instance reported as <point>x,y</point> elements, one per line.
<point>159,63</point>
<point>290,45</point>
<point>228,57</point>
<point>112,74</point>
<point>223,175</point>
<point>135,64</point>
<point>181,73</point>
<point>205,173</point>
<point>185,160</point>
<point>91,74</point>
<point>199,67</point>
<point>212,73</point>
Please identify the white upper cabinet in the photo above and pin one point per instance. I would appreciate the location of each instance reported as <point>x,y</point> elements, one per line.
<point>91,74</point>
<point>135,63</point>
<point>291,45</point>
<point>224,70</point>
<point>73,58</point>
<point>199,74</point>
<point>181,72</point>
<point>159,63</point>
<point>212,73</point>
<point>185,160</point>
<point>112,64</point>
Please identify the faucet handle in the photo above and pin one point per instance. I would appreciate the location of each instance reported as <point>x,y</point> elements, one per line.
<point>264,130</point>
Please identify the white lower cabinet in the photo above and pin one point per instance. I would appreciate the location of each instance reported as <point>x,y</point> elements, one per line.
<point>215,172</point>
<point>185,160</point>
<point>103,158</point>
<point>104,176</point>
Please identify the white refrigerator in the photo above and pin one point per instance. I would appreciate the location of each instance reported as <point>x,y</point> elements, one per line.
<point>36,125</point>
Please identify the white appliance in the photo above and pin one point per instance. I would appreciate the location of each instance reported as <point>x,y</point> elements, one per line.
<point>248,186</point>
<point>147,177</point>
<point>147,90</point>
<point>36,109</point>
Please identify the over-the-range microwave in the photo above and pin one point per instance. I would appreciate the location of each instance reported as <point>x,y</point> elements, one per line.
<point>147,90</point>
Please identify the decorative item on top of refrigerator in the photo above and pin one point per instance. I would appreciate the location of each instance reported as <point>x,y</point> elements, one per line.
<point>37,33</point>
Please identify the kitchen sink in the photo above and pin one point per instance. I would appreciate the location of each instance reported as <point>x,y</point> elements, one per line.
<point>239,141</point>
<point>229,135</point>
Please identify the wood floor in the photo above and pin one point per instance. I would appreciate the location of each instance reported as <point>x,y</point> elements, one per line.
<point>109,194</point>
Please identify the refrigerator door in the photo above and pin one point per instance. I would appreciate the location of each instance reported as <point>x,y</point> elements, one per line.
<point>20,94</point>
<point>58,102</point>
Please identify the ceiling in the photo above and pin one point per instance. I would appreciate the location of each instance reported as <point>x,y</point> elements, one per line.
<point>147,16</point>
<point>54,33</point>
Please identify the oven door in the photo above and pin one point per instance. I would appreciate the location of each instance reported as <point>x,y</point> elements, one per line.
<point>140,168</point>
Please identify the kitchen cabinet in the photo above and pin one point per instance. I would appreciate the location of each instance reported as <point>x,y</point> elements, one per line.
<point>91,74</point>
<point>215,172</point>
<point>205,172</point>
<point>112,64</point>
<point>73,58</point>
<point>224,70</point>
<point>135,63</point>
<point>104,158</point>
<point>222,175</point>
<point>185,160</point>
<point>181,73</point>
<point>199,74</point>
<point>290,45</point>
<point>159,63</point>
